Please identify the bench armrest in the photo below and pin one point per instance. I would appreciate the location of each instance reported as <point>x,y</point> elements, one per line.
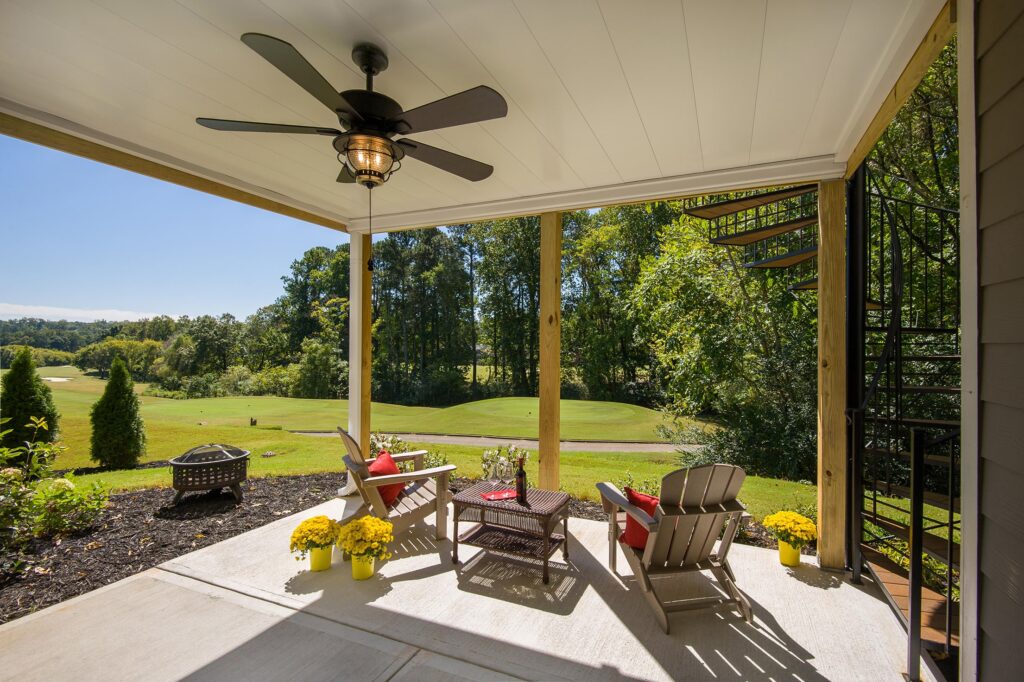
<point>613,500</point>
<point>421,474</point>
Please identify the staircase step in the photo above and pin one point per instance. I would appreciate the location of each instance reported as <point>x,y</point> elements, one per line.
<point>762,233</point>
<point>933,545</point>
<point>872,305</point>
<point>806,285</point>
<point>785,260</point>
<point>938,460</point>
<point>916,330</point>
<point>949,390</point>
<point>730,206</point>
<point>934,499</point>
<point>895,580</point>
<point>913,421</point>
<point>920,358</point>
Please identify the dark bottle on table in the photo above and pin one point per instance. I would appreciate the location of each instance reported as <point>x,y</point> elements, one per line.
<point>521,483</point>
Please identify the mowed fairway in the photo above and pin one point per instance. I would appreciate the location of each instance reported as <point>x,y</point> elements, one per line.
<point>173,426</point>
<point>501,417</point>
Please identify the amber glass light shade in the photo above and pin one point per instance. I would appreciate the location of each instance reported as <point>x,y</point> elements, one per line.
<point>370,158</point>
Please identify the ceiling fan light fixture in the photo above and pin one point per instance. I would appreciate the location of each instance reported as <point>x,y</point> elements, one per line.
<point>371,158</point>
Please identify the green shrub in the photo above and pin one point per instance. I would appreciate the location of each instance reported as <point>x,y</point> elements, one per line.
<point>236,380</point>
<point>15,509</point>
<point>202,386</point>
<point>648,486</point>
<point>25,396</point>
<point>321,372</point>
<point>43,357</point>
<point>62,507</point>
<point>158,392</point>
<point>139,356</point>
<point>118,435</point>
<point>36,456</point>
<point>279,381</point>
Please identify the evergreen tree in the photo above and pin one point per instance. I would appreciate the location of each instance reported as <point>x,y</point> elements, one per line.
<point>24,396</point>
<point>118,435</point>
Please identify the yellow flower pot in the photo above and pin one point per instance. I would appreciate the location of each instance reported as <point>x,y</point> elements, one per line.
<point>362,567</point>
<point>320,559</point>
<point>788,554</point>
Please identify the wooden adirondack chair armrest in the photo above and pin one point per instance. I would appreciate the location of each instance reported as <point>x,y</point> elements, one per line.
<point>415,455</point>
<point>412,454</point>
<point>419,475</point>
<point>612,500</point>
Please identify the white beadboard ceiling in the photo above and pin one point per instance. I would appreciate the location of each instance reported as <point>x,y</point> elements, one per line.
<point>609,100</point>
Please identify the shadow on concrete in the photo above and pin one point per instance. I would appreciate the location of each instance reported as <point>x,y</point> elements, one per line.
<point>711,644</point>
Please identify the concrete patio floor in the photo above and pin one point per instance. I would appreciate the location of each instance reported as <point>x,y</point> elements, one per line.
<point>245,609</point>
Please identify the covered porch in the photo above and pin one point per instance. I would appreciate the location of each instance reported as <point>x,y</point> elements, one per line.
<point>244,609</point>
<point>607,106</point>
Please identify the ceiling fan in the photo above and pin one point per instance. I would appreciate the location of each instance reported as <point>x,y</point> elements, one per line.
<point>370,120</point>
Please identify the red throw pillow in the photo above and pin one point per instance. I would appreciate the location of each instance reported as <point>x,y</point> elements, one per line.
<point>385,466</point>
<point>636,534</point>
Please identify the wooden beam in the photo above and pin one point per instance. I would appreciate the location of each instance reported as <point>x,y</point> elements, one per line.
<point>832,440</point>
<point>939,34</point>
<point>365,340</point>
<point>65,142</point>
<point>550,347</point>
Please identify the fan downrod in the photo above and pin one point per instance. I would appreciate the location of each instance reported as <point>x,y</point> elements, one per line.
<point>371,60</point>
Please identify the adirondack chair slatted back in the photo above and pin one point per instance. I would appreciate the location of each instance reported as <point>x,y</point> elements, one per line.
<point>695,504</point>
<point>359,471</point>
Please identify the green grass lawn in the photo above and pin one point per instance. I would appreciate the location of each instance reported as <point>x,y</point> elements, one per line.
<point>503,417</point>
<point>173,426</point>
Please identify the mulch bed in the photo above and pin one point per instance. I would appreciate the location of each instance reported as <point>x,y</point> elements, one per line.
<point>139,530</point>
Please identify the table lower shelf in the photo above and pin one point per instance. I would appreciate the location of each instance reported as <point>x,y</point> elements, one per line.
<point>510,541</point>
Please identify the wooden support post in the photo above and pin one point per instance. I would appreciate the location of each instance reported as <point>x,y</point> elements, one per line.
<point>550,347</point>
<point>359,344</point>
<point>832,440</point>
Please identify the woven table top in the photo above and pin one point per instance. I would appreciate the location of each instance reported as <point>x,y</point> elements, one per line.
<point>538,502</point>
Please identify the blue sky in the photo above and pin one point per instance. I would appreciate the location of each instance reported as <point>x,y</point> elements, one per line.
<point>82,240</point>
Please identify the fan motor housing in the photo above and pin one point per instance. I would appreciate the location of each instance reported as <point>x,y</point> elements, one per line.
<point>375,108</point>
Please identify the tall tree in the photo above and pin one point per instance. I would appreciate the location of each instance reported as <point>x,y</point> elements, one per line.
<point>24,395</point>
<point>319,276</point>
<point>465,240</point>
<point>118,434</point>
<point>509,286</point>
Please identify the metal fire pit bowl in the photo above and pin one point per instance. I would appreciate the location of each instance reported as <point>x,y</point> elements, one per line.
<point>210,467</point>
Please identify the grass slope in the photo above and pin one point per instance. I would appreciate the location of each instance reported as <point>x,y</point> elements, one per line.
<point>173,426</point>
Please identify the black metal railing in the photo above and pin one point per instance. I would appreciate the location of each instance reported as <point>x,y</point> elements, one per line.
<point>904,346</point>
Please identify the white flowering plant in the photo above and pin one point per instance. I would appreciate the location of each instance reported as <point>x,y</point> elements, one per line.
<point>500,463</point>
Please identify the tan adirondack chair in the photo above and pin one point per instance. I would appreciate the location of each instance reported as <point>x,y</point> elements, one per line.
<point>695,505</point>
<point>426,491</point>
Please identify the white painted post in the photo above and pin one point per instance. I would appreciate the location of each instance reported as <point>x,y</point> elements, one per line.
<point>355,346</point>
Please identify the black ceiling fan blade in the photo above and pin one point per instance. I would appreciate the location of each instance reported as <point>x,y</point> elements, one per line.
<point>471,106</point>
<point>254,127</point>
<point>346,175</point>
<point>292,64</point>
<point>447,161</point>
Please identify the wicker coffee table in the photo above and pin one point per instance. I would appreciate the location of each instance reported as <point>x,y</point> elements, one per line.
<point>507,527</point>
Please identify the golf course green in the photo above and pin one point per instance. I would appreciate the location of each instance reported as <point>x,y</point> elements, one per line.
<point>173,426</point>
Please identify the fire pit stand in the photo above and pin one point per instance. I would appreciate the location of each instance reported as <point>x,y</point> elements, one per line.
<point>210,467</point>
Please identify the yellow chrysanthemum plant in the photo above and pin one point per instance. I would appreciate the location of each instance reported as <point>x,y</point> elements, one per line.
<point>367,536</point>
<point>318,532</point>
<point>790,527</point>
